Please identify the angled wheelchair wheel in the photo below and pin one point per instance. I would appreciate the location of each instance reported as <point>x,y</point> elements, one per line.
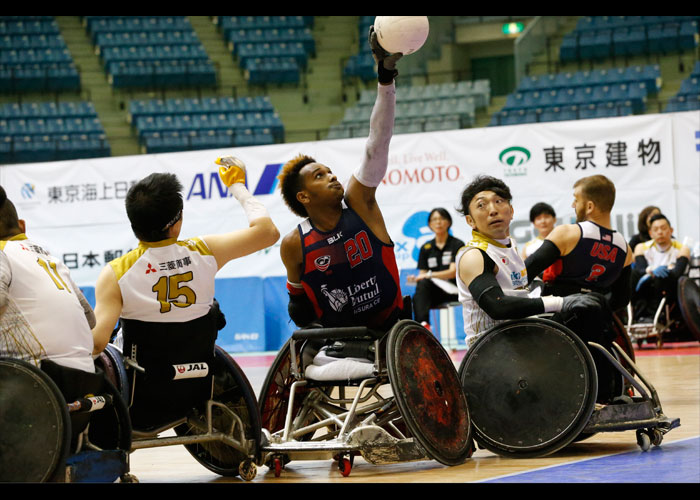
<point>36,430</point>
<point>531,386</point>
<point>428,393</point>
<point>231,388</point>
<point>111,362</point>
<point>275,391</point>
<point>689,304</point>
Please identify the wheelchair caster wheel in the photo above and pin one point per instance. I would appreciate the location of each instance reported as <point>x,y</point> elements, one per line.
<point>247,470</point>
<point>345,466</point>
<point>643,440</point>
<point>277,466</point>
<point>128,478</point>
<point>656,437</point>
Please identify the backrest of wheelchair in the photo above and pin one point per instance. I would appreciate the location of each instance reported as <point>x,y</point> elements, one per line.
<point>178,359</point>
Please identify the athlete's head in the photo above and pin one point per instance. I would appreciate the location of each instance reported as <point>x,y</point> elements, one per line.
<point>305,182</point>
<point>543,217</point>
<point>595,193</point>
<point>486,206</point>
<point>660,229</point>
<point>154,205</point>
<point>10,224</point>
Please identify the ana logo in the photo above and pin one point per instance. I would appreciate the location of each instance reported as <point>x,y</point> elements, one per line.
<point>268,180</point>
<point>207,185</point>
<point>27,191</point>
<point>322,262</point>
<point>514,160</point>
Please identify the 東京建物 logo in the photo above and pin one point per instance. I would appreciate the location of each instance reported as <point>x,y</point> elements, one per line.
<point>514,160</point>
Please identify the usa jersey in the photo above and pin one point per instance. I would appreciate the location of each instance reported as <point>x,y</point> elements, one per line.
<point>44,318</point>
<point>350,276</point>
<point>594,264</point>
<point>169,281</point>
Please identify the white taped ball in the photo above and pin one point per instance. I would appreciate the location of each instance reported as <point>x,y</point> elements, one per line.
<point>405,34</point>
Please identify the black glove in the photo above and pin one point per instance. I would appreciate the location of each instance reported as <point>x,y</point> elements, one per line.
<point>588,302</point>
<point>386,63</point>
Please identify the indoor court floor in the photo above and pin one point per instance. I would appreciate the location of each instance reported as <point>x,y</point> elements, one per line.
<point>615,457</point>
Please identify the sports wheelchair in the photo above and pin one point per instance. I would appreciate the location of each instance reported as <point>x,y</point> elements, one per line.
<point>679,320</point>
<point>60,424</point>
<point>405,404</point>
<point>532,387</point>
<point>172,376</point>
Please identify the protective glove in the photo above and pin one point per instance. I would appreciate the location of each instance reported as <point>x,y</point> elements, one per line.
<point>661,272</point>
<point>583,301</point>
<point>386,63</point>
<point>232,170</point>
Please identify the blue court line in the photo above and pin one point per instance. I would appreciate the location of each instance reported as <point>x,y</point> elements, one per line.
<point>674,462</point>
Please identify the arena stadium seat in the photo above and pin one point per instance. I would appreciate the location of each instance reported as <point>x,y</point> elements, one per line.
<point>34,56</point>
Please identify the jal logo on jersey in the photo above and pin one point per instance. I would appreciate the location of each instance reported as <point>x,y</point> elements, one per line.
<point>191,370</point>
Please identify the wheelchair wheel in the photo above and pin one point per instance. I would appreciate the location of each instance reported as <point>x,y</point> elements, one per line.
<point>111,362</point>
<point>36,431</point>
<point>689,304</point>
<point>232,388</point>
<point>531,386</point>
<point>274,394</point>
<point>428,393</point>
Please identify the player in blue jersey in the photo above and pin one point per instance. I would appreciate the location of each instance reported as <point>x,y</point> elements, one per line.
<point>341,268</point>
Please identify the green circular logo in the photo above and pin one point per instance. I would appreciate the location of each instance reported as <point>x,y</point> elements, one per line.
<point>512,157</point>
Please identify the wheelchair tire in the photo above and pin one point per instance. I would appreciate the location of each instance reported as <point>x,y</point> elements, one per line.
<point>36,430</point>
<point>689,304</point>
<point>232,388</point>
<point>112,363</point>
<point>428,393</point>
<point>531,386</point>
<point>274,394</point>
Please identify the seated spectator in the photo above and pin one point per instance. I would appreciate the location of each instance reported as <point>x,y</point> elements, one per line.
<point>659,263</point>
<point>543,217</point>
<point>436,261</point>
<point>643,226</point>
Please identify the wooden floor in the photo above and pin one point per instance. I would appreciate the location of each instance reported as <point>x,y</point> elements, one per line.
<point>675,373</point>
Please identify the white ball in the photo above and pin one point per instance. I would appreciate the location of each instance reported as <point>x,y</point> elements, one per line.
<point>405,34</point>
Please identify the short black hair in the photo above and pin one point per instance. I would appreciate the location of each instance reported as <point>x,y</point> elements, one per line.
<point>152,204</point>
<point>541,208</point>
<point>483,183</point>
<point>656,217</point>
<point>9,221</point>
<point>443,212</point>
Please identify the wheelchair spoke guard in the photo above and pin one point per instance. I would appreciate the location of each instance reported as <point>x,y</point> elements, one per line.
<point>428,393</point>
<point>531,387</point>
<point>232,389</point>
<point>35,428</point>
<point>689,303</point>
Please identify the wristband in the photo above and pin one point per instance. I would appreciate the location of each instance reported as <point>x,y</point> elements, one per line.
<point>552,303</point>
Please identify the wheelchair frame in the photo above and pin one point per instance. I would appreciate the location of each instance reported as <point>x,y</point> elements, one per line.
<point>367,423</point>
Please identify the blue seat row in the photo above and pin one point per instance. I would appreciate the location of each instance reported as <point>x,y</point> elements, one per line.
<point>171,141</point>
<point>630,40</point>
<point>40,56</point>
<point>279,50</point>
<point>228,23</point>
<point>44,126</point>
<point>192,105</point>
<point>557,113</point>
<point>156,73</point>
<point>649,75</point>
<point>35,148</point>
<point>66,109</point>
<point>41,41</point>
<point>210,121</point>
<point>127,38</point>
<point>153,53</point>
<point>635,93</point>
<point>304,36</point>
<point>278,70</point>
<point>588,23</point>
<point>119,24</point>
<point>21,77</point>
<point>680,103</point>
<point>29,27</point>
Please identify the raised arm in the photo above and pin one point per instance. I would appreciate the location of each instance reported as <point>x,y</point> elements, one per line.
<point>261,232</point>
